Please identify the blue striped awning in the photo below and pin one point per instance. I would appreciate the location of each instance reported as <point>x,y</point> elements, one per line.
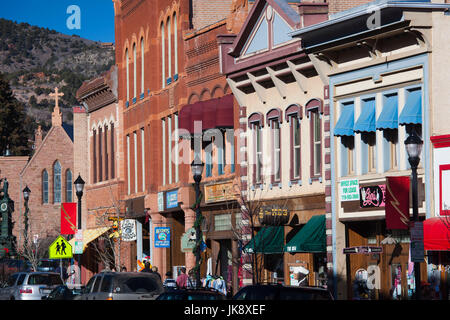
<point>366,121</point>
<point>345,124</point>
<point>412,111</point>
<point>388,118</point>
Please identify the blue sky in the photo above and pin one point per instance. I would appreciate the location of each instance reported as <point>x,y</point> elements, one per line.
<point>97,16</point>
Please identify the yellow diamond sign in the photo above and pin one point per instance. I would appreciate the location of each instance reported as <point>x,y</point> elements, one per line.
<point>60,249</point>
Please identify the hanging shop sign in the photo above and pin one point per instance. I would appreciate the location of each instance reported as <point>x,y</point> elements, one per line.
<point>372,196</point>
<point>273,215</point>
<point>219,192</point>
<point>397,203</point>
<point>68,218</point>
<point>363,250</point>
<point>188,240</point>
<point>349,190</point>
<point>128,228</point>
<point>172,199</point>
<point>162,237</point>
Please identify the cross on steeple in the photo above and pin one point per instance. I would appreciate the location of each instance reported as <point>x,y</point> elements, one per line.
<point>56,115</point>
<point>56,95</point>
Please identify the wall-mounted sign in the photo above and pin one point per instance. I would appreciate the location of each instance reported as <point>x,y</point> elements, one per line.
<point>219,192</point>
<point>273,215</point>
<point>349,190</point>
<point>162,237</point>
<point>363,250</point>
<point>128,228</point>
<point>372,196</point>
<point>188,240</point>
<point>160,201</point>
<point>171,199</point>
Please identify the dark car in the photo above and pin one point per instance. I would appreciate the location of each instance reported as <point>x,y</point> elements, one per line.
<point>192,294</point>
<point>122,286</point>
<point>282,292</point>
<point>62,293</point>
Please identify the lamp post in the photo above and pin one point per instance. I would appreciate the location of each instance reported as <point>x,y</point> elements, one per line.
<point>413,146</point>
<point>79,186</point>
<point>197,170</point>
<point>26,196</point>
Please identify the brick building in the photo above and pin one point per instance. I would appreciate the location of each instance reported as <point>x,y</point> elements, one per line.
<point>97,139</point>
<point>49,175</point>
<point>167,61</point>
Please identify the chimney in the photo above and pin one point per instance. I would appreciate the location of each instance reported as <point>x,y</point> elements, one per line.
<point>312,13</point>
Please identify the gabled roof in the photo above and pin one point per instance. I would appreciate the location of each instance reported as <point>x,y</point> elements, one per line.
<point>281,7</point>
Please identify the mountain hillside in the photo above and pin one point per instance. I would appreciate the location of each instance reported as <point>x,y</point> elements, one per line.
<point>36,60</point>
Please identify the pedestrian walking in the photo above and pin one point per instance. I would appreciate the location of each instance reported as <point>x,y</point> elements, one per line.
<point>169,282</point>
<point>155,270</point>
<point>182,278</point>
<point>191,281</point>
<point>147,267</point>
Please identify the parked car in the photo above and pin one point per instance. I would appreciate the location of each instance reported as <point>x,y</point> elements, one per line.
<point>282,292</point>
<point>192,294</point>
<point>62,293</point>
<point>122,286</point>
<point>30,285</point>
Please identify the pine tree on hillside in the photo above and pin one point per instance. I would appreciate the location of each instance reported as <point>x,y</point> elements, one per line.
<point>15,126</point>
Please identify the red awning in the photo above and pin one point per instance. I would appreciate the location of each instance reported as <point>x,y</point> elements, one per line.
<point>436,233</point>
<point>214,113</point>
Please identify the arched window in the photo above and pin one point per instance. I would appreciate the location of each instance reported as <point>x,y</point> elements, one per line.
<point>169,47</point>
<point>57,182</point>
<point>127,61</point>
<point>163,55</point>
<point>134,71</point>
<point>175,45</point>
<point>142,65</point>
<point>44,186</point>
<point>69,185</point>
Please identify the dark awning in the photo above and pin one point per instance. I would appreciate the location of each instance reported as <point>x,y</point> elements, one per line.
<point>214,113</point>
<point>270,239</point>
<point>311,238</point>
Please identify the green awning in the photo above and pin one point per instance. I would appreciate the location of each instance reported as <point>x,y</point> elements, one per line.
<point>311,238</point>
<point>270,239</point>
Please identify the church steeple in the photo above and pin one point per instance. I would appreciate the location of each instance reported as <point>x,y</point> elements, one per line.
<point>56,115</point>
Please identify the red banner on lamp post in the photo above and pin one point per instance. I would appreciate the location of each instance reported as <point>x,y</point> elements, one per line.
<point>68,218</point>
<point>397,203</point>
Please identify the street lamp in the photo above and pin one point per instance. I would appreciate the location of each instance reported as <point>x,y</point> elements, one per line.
<point>197,170</point>
<point>413,146</point>
<point>79,186</point>
<point>26,196</point>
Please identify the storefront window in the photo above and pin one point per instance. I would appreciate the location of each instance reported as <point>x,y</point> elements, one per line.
<point>222,222</point>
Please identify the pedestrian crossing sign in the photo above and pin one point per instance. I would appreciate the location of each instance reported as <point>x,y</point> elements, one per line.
<point>60,249</point>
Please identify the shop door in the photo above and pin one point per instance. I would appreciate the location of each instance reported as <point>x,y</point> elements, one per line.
<point>397,272</point>
<point>225,260</point>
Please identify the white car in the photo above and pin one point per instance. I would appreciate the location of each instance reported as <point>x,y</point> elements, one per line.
<point>30,285</point>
